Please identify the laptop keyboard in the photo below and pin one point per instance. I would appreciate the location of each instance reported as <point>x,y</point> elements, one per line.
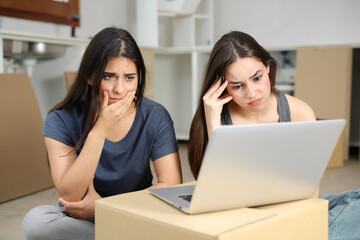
<point>186,197</point>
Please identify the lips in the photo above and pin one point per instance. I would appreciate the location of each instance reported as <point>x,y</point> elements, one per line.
<point>114,100</point>
<point>256,102</point>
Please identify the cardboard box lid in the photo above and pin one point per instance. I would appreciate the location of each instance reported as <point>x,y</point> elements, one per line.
<point>145,205</point>
<point>140,215</point>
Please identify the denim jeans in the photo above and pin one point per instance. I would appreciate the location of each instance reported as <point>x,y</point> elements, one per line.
<point>344,215</point>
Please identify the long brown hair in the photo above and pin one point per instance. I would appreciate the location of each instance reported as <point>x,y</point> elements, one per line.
<point>227,50</point>
<point>108,43</point>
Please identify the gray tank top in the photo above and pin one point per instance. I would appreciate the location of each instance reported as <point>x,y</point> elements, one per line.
<point>283,109</point>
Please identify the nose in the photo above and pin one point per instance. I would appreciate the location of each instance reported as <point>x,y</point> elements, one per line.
<point>250,93</point>
<point>119,86</point>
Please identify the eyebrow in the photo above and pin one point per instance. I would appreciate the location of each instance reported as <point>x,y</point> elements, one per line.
<point>254,75</point>
<point>130,74</point>
<point>113,73</point>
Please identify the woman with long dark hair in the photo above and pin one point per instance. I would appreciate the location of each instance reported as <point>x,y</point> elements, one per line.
<point>239,88</point>
<point>101,137</point>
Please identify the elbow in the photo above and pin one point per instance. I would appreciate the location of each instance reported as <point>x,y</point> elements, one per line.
<point>70,197</point>
<point>168,182</point>
<point>175,180</point>
<point>69,194</point>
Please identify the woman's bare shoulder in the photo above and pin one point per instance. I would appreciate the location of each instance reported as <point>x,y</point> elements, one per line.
<point>300,110</point>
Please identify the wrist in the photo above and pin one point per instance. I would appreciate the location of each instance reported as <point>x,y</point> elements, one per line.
<point>211,125</point>
<point>97,132</point>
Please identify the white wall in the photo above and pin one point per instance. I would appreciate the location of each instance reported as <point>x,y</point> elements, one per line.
<point>270,22</point>
<point>290,21</point>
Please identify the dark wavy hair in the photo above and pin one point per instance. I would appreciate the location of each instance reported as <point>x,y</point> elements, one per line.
<point>108,43</point>
<point>227,50</point>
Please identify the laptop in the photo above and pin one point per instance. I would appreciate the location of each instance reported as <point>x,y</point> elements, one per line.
<point>254,165</point>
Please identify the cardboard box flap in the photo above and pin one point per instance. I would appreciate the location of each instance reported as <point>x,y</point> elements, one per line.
<point>145,205</point>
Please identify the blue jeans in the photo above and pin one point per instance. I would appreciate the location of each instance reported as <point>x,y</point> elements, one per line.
<point>344,215</point>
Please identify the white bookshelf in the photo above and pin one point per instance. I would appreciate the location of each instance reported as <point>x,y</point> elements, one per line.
<point>185,44</point>
<point>182,50</point>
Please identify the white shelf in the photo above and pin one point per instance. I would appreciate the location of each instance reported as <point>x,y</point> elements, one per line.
<point>184,137</point>
<point>166,14</point>
<point>181,55</point>
<point>285,88</point>
<point>182,50</point>
<point>180,62</point>
<point>295,46</point>
<point>42,38</point>
<point>202,16</point>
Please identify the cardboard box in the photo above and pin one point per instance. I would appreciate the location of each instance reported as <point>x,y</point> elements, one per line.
<point>69,79</point>
<point>24,166</point>
<point>149,56</point>
<point>337,157</point>
<point>140,215</point>
<point>323,80</point>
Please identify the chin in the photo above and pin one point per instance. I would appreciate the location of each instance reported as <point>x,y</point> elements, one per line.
<point>257,110</point>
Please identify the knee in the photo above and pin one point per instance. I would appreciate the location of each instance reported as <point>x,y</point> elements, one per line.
<point>36,223</point>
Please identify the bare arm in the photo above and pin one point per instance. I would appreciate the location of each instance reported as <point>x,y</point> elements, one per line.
<point>316,194</point>
<point>71,173</point>
<point>84,208</point>
<point>300,111</point>
<point>168,170</point>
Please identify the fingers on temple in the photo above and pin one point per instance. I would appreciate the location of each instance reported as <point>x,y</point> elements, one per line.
<point>216,88</point>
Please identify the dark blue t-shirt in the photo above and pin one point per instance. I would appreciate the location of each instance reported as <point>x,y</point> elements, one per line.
<point>124,166</point>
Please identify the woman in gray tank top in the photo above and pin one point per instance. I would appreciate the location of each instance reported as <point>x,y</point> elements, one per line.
<point>239,88</point>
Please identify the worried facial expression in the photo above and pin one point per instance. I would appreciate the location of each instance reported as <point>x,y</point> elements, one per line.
<point>249,83</point>
<point>120,77</point>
